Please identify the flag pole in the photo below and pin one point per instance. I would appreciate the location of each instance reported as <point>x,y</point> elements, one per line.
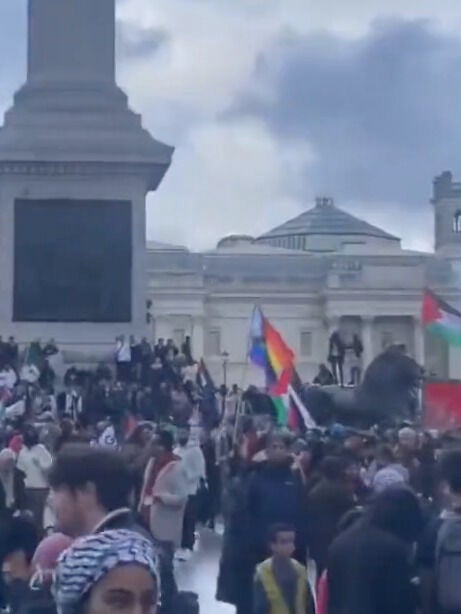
<point>241,404</point>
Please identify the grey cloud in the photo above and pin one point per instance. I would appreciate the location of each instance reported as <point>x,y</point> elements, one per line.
<point>134,42</point>
<point>382,113</point>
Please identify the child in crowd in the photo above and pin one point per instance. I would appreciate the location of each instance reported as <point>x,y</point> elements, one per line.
<point>280,584</point>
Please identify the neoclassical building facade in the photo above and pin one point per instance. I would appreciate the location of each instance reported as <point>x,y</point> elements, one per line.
<point>322,271</point>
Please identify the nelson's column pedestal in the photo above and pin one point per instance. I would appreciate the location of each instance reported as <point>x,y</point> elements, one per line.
<point>75,168</point>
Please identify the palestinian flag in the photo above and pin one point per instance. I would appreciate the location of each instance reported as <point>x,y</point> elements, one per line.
<point>441,318</point>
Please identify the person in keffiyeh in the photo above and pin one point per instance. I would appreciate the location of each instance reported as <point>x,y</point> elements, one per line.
<point>113,571</point>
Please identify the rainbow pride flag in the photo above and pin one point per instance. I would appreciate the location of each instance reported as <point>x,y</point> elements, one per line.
<point>269,351</point>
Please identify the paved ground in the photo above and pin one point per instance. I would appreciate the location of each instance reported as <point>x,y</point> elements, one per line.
<point>200,574</point>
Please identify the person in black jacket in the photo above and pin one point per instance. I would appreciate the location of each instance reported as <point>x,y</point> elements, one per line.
<point>276,495</point>
<point>270,493</point>
<point>327,503</point>
<point>369,569</point>
<point>336,354</point>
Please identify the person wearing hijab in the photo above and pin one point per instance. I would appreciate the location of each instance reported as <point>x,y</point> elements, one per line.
<point>113,571</point>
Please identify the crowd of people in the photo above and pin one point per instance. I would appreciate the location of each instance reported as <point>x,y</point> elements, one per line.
<point>132,443</point>
<point>103,483</point>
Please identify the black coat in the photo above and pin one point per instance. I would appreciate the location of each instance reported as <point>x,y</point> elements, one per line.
<point>276,495</point>
<point>369,573</point>
<point>236,566</point>
<point>327,503</point>
<point>267,496</point>
<point>336,347</point>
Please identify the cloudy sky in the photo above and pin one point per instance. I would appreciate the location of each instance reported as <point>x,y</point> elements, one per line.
<point>272,102</point>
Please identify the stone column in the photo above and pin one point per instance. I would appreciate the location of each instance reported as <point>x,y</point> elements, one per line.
<point>418,342</point>
<point>367,340</point>
<point>198,338</point>
<point>71,41</point>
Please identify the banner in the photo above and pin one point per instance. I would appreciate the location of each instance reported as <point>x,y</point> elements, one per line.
<point>442,405</point>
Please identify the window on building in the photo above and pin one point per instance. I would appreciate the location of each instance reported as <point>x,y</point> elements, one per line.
<point>213,343</point>
<point>386,339</point>
<point>306,343</point>
<point>179,335</point>
<point>457,222</point>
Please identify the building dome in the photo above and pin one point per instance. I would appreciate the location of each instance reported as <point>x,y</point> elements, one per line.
<point>326,228</point>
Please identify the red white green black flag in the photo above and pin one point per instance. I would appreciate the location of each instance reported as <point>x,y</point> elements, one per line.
<point>441,318</point>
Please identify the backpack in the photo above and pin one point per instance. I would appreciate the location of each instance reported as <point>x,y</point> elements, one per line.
<point>448,565</point>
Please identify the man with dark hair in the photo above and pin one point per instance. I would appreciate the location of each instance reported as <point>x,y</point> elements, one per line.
<point>91,490</point>
<point>89,485</point>
<point>280,583</point>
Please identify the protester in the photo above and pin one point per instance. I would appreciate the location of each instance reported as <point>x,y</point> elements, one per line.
<point>347,521</point>
<point>31,594</point>
<point>369,567</point>
<point>112,571</point>
<point>272,494</point>
<point>136,451</point>
<point>92,490</point>
<point>70,405</point>
<point>389,472</point>
<point>327,502</point>
<point>407,454</point>
<point>7,470</point>
<point>8,377</point>
<point>281,583</point>
<point>123,359</point>
<point>324,376</point>
<point>439,556</point>
<point>193,464</point>
<point>18,548</point>
<point>164,493</point>
<point>35,461</point>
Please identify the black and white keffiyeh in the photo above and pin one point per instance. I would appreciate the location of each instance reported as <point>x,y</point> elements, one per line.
<point>91,558</point>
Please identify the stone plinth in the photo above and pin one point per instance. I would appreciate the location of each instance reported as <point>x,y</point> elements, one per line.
<point>71,137</point>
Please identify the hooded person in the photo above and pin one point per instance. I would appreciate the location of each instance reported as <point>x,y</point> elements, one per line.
<point>369,569</point>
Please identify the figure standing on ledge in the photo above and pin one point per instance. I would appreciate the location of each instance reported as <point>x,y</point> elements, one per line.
<point>336,354</point>
<point>354,353</point>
